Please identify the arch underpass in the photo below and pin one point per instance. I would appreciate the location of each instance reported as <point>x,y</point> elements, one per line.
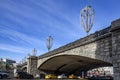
<point>24,68</point>
<point>71,64</point>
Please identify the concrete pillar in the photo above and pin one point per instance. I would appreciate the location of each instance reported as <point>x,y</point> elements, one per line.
<point>32,65</point>
<point>115,29</point>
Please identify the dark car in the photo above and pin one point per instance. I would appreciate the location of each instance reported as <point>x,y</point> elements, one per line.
<point>3,74</point>
<point>24,75</point>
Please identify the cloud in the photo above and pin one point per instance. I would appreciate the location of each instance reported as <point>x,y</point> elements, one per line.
<point>25,15</point>
<point>15,49</point>
<point>57,19</point>
<point>55,9</point>
<point>25,43</point>
<point>31,16</point>
<point>18,49</point>
<point>42,15</point>
<point>20,37</point>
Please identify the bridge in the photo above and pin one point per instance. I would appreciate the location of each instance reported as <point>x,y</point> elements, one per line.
<point>79,54</point>
<point>99,49</point>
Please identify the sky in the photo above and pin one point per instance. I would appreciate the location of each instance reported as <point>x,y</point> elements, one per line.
<point>25,24</point>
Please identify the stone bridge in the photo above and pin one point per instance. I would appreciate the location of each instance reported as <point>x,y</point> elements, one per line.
<point>24,67</point>
<point>94,50</point>
<point>101,48</point>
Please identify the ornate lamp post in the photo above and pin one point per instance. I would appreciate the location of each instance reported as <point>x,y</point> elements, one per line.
<point>49,43</point>
<point>28,55</point>
<point>25,59</point>
<point>87,18</point>
<point>34,52</point>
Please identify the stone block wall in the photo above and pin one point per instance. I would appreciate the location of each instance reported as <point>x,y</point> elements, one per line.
<point>32,65</point>
<point>104,49</point>
<point>115,29</point>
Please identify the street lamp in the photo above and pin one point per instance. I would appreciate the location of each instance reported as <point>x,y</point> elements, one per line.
<point>87,18</point>
<point>25,59</point>
<point>28,55</point>
<point>34,52</point>
<point>49,42</point>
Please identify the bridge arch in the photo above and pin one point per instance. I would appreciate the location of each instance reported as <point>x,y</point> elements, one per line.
<point>24,68</point>
<point>70,64</point>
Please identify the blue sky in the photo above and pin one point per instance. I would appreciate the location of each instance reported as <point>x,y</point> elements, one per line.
<point>25,24</point>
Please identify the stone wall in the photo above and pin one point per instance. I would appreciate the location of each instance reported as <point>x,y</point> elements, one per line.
<point>104,49</point>
<point>115,29</point>
<point>32,65</point>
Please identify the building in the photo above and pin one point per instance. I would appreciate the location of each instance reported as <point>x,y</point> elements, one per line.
<point>9,61</point>
<point>6,64</point>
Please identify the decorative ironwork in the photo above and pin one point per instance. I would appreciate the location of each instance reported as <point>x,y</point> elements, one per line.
<point>28,55</point>
<point>87,18</point>
<point>25,59</point>
<point>49,43</point>
<point>34,52</point>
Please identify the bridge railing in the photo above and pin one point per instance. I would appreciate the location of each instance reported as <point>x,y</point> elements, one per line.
<point>102,32</point>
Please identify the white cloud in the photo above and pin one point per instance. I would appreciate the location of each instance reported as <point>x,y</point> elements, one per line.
<point>42,12</point>
<point>18,49</point>
<point>20,37</point>
<point>14,49</point>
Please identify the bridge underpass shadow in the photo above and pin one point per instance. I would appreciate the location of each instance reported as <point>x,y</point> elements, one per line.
<point>70,64</point>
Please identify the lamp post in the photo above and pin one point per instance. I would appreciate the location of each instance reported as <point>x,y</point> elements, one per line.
<point>25,59</point>
<point>49,42</point>
<point>28,55</point>
<point>87,18</point>
<point>34,52</point>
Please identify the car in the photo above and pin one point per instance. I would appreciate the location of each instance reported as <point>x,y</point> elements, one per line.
<point>61,76</point>
<point>50,76</point>
<point>23,75</point>
<point>72,76</point>
<point>3,74</point>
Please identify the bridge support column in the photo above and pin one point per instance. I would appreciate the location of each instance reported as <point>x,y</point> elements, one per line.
<point>115,29</point>
<point>32,65</point>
